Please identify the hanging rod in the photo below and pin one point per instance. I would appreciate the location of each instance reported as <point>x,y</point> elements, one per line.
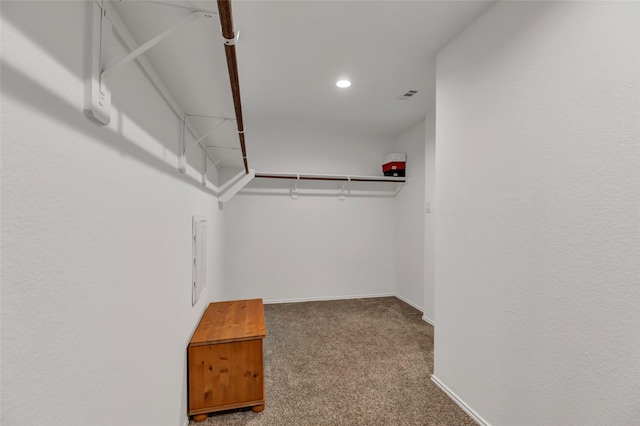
<point>341,178</point>
<point>230,37</point>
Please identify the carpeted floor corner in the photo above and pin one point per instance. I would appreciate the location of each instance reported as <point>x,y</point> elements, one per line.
<point>348,362</point>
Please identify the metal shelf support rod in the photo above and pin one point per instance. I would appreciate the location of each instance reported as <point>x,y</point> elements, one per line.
<point>149,44</point>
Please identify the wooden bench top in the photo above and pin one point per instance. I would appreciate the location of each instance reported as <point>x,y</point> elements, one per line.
<point>231,321</point>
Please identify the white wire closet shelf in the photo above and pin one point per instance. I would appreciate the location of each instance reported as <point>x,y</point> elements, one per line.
<point>200,125</point>
<point>117,26</point>
<point>314,184</point>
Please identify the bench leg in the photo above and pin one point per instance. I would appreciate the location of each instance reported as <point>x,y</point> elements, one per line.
<point>257,408</point>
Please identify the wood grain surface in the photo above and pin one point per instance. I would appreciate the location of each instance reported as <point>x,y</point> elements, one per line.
<point>231,321</point>
<point>226,359</point>
<point>225,374</point>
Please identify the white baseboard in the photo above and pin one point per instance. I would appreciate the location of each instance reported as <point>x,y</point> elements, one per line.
<point>186,422</point>
<point>428,320</point>
<point>324,298</point>
<point>408,302</point>
<point>359,296</point>
<point>475,416</point>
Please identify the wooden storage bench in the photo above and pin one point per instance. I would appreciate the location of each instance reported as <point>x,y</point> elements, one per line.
<point>225,359</point>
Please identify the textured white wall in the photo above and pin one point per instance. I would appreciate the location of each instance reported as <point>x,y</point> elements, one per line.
<point>538,195</point>
<point>316,246</point>
<point>410,217</point>
<point>429,222</point>
<point>297,146</point>
<point>310,248</point>
<point>96,237</point>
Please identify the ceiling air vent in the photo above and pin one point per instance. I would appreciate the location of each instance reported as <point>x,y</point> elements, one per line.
<point>409,94</point>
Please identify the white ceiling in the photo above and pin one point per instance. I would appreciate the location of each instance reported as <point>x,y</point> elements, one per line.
<point>291,53</point>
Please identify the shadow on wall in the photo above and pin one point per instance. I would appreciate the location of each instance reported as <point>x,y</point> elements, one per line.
<point>29,92</point>
<point>24,89</point>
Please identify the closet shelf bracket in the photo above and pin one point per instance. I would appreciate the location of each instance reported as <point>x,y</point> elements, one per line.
<point>183,143</point>
<point>201,138</point>
<point>294,188</point>
<point>99,105</point>
<point>342,195</point>
<point>222,157</point>
<point>157,39</point>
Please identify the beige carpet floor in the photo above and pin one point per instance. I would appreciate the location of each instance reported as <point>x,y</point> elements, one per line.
<point>348,362</point>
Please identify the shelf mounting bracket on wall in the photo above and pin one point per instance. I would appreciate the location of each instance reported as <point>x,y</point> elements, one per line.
<point>99,95</point>
<point>294,188</point>
<point>204,168</point>
<point>343,191</point>
<point>222,157</point>
<point>183,145</point>
<point>155,40</point>
<point>99,104</point>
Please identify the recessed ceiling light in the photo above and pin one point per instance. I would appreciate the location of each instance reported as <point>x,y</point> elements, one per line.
<point>343,83</point>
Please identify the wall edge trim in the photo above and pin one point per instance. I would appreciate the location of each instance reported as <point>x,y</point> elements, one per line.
<point>359,296</point>
<point>408,302</point>
<point>465,407</point>
<point>321,298</point>
<point>428,320</point>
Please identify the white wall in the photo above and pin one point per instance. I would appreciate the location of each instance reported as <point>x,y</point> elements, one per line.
<point>297,146</point>
<point>310,248</point>
<point>96,236</point>
<point>538,195</point>
<point>314,247</point>
<point>410,218</point>
<point>429,222</point>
